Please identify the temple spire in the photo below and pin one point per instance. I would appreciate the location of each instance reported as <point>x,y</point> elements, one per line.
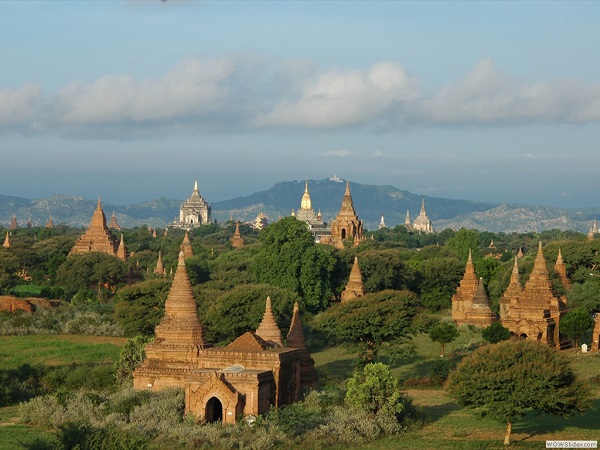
<point>355,287</point>
<point>295,337</point>
<point>121,253</point>
<point>159,269</point>
<point>6,241</point>
<point>268,329</point>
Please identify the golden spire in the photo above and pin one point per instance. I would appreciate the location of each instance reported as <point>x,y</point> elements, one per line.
<point>306,204</point>
<point>6,241</point>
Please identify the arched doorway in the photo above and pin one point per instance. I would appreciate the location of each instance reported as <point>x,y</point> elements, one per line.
<point>523,336</point>
<point>343,233</point>
<point>214,410</point>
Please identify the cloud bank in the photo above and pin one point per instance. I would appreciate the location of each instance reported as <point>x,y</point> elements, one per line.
<point>241,94</point>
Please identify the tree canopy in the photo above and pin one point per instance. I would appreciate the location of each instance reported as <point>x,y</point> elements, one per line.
<point>511,378</point>
<point>370,321</point>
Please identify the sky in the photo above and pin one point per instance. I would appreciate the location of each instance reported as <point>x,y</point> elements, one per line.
<point>135,100</point>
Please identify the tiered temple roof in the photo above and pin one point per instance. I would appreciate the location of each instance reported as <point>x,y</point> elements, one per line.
<point>346,226</point>
<point>113,222</point>
<point>355,287</point>
<point>194,212</point>
<point>50,223</point>
<point>470,304</point>
<point>13,223</point>
<point>422,222</point>
<point>533,311</point>
<point>97,238</point>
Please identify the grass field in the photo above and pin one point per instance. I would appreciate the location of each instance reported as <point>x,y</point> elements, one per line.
<point>446,425</point>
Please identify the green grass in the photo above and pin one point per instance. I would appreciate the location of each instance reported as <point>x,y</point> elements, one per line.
<point>57,350</point>
<point>447,425</point>
<point>13,434</point>
<point>27,290</point>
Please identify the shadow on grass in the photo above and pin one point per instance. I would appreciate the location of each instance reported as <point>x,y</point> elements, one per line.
<point>335,372</point>
<point>588,422</point>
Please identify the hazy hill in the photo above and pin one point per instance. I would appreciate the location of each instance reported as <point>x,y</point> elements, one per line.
<point>370,202</point>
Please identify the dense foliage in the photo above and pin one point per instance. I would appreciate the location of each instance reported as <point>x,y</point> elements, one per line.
<point>527,377</point>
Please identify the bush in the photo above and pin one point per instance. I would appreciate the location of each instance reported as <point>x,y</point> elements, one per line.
<point>375,389</point>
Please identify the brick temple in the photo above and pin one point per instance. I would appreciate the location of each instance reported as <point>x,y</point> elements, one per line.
<point>225,383</point>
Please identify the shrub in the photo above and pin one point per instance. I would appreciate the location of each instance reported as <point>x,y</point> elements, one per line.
<point>375,389</point>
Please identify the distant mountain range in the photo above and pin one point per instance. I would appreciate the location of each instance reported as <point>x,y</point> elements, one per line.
<point>370,203</point>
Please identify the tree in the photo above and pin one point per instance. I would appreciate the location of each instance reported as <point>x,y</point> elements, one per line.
<point>509,379</point>
<point>241,309</point>
<point>92,270</point>
<point>444,333</point>
<point>495,333</point>
<point>289,258</point>
<point>464,240</point>
<point>140,306</point>
<point>131,356</point>
<point>575,324</point>
<point>376,390</point>
<point>370,321</point>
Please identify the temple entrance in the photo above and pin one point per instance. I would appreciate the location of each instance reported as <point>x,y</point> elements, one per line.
<point>343,233</point>
<point>214,410</point>
<point>523,336</point>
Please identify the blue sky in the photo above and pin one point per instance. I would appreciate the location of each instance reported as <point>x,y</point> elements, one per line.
<point>132,100</point>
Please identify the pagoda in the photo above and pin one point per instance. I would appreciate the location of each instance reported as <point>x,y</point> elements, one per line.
<point>315,223</point>
<point>97,238</point>
<point>194,212</point>
<point>6,241</point>
<point>237,241</point>
<point>346,227</point>
<point>309,378</point>
<point>422,222</point>
<point>561,271</point>
<point>113,222</point>
<point>186,246</point>
<point>222,384</point>
<point>534,311</point>
<point>355,287</point>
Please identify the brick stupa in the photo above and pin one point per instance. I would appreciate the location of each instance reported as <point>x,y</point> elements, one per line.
<point>186,246</point>
<point>355,287</point>
<point>237,241</point>
<point>533,312</point>
<point>295,339</point>
<point>97,238</point>
<point>561,271</point>
<point>113,222</point>
<point>6,241</point>
<point>268,329</point>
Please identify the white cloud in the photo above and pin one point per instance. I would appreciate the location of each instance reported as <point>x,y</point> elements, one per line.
<point>18,106</point>
<point>244,93</point>
<point>339,99</point>
<point>341,153</point>
<point>488,96</point>
<point>377,153</point>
